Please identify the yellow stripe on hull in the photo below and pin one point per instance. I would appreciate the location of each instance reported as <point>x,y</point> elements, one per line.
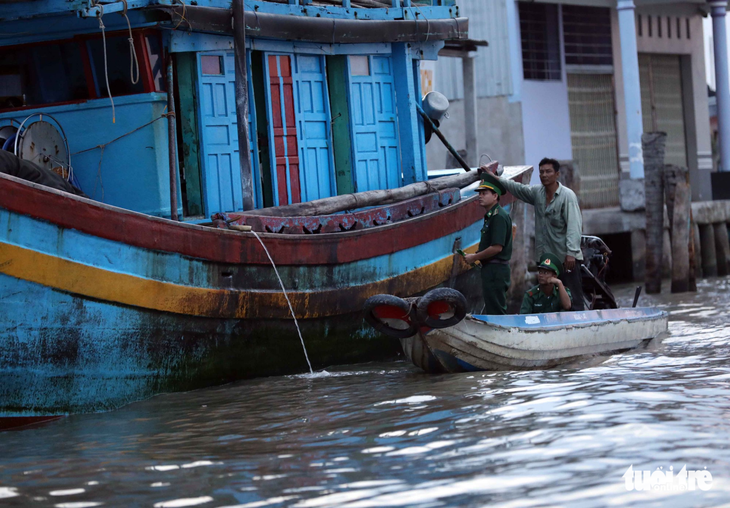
<point>119,288</point>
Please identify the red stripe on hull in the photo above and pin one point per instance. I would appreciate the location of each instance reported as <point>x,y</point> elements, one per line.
<point>225,246</point>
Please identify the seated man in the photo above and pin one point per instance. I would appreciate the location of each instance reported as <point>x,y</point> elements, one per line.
<point>550,295</point>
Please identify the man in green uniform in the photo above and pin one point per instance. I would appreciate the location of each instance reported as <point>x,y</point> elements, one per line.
<point>550,295</point>
<point>495,247</point>
<point>558,222</point>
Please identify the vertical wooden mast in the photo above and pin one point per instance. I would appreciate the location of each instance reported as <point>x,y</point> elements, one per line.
<point>239,35</point>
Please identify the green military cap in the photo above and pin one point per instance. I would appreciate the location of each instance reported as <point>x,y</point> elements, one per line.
<point>492,183</point>
<point>550,261</point>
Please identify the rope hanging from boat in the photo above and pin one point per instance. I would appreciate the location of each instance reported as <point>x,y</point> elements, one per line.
<point>133,61</point>
<point>106,69</point>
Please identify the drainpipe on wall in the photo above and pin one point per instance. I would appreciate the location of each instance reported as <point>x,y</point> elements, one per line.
<point>632,85</point>
<point>722,81</point>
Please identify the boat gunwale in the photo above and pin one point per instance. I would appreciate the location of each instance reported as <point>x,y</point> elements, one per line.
<point>324,248</point>
<point>660,314</point>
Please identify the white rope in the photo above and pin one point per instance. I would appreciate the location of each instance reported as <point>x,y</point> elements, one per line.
<point>106,70</point>
<point>291,309</point>
<point>133,61</point>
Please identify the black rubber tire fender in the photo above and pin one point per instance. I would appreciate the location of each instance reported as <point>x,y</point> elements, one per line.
<point>439,301</point>
<point>381,309</point>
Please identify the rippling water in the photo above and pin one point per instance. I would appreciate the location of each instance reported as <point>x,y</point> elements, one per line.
<point>387,435</point>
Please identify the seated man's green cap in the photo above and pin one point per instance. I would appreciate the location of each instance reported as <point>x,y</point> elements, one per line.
<point>550,261</point>
<point>492,183</point>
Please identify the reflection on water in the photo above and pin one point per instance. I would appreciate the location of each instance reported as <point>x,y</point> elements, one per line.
<point>387,435</point>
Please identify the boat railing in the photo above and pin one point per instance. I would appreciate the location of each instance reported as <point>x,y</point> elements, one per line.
<point>340,222</point>
<point>370,4</point>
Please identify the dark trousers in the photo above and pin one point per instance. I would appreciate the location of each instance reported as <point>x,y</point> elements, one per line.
<point>495,283</point>
<point>572,281</point>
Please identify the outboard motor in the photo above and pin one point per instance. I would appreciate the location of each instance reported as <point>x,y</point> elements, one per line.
<point>594,270</point>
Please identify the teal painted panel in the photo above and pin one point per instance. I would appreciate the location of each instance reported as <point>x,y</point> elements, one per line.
<point>340,112</point>
<point>131,172</point>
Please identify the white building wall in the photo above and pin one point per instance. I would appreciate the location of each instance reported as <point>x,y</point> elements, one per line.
<point>545,115</point>
<point>545,121</point>
<point>487,21</point>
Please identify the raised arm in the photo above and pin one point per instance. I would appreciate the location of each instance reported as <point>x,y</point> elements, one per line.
<point>564,293</point>
<point>519,190</point>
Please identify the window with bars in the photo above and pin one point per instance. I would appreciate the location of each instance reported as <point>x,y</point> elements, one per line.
<point>587,35</point>
<point>539,32</point>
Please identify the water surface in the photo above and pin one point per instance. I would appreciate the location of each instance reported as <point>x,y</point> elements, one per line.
<point>386,434</point>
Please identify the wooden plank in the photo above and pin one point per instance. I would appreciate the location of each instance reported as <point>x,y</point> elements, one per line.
<point>239,33</point>
<point>188,118</point>
<point>409,123</point>
<point>342,142</point>
<point>262,129</point>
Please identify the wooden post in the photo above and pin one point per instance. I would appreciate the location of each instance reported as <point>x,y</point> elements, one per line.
<point>679,212</point>
<point>638,254</point>
<point>518,262</point>
<point>692,248</point>
<point>172,138</point>
<point>666,268</point>
<point>709,254</point>
<point>698,250</point>
<point>680,238</point>
<point>722,246</point>
<point>244,150</point>
<point>653,147</point>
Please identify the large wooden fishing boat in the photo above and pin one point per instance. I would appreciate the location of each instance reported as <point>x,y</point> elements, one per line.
<point>103,306</point>
<point>150,281</point>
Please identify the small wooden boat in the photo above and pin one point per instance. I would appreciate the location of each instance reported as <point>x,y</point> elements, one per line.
<point>533,341</point>
<point>521,342</point>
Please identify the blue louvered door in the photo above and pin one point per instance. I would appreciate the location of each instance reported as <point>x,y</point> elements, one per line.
<point>316,170</point>
<point>219,134</point>
<point>374,123</point>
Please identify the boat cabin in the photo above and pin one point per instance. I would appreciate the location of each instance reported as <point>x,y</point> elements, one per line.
<point>331,109</point>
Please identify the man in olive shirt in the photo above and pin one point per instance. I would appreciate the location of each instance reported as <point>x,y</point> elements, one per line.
<point>558,222</point>
<point>550,295</point>
<point>495,247</point>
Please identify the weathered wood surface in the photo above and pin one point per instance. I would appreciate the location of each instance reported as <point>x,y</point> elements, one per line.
<point>708,251</point>
<point>171,139</point>
<point>518,262</point>
<point>653,146</point>
<point>722,246</point>
<point>679,211</point>
<point>681,238</point>
<point>697,251</point>
<point>638,254</point>
<point>666,268</point>
<point>335,204</point>
<point>241,69</point>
